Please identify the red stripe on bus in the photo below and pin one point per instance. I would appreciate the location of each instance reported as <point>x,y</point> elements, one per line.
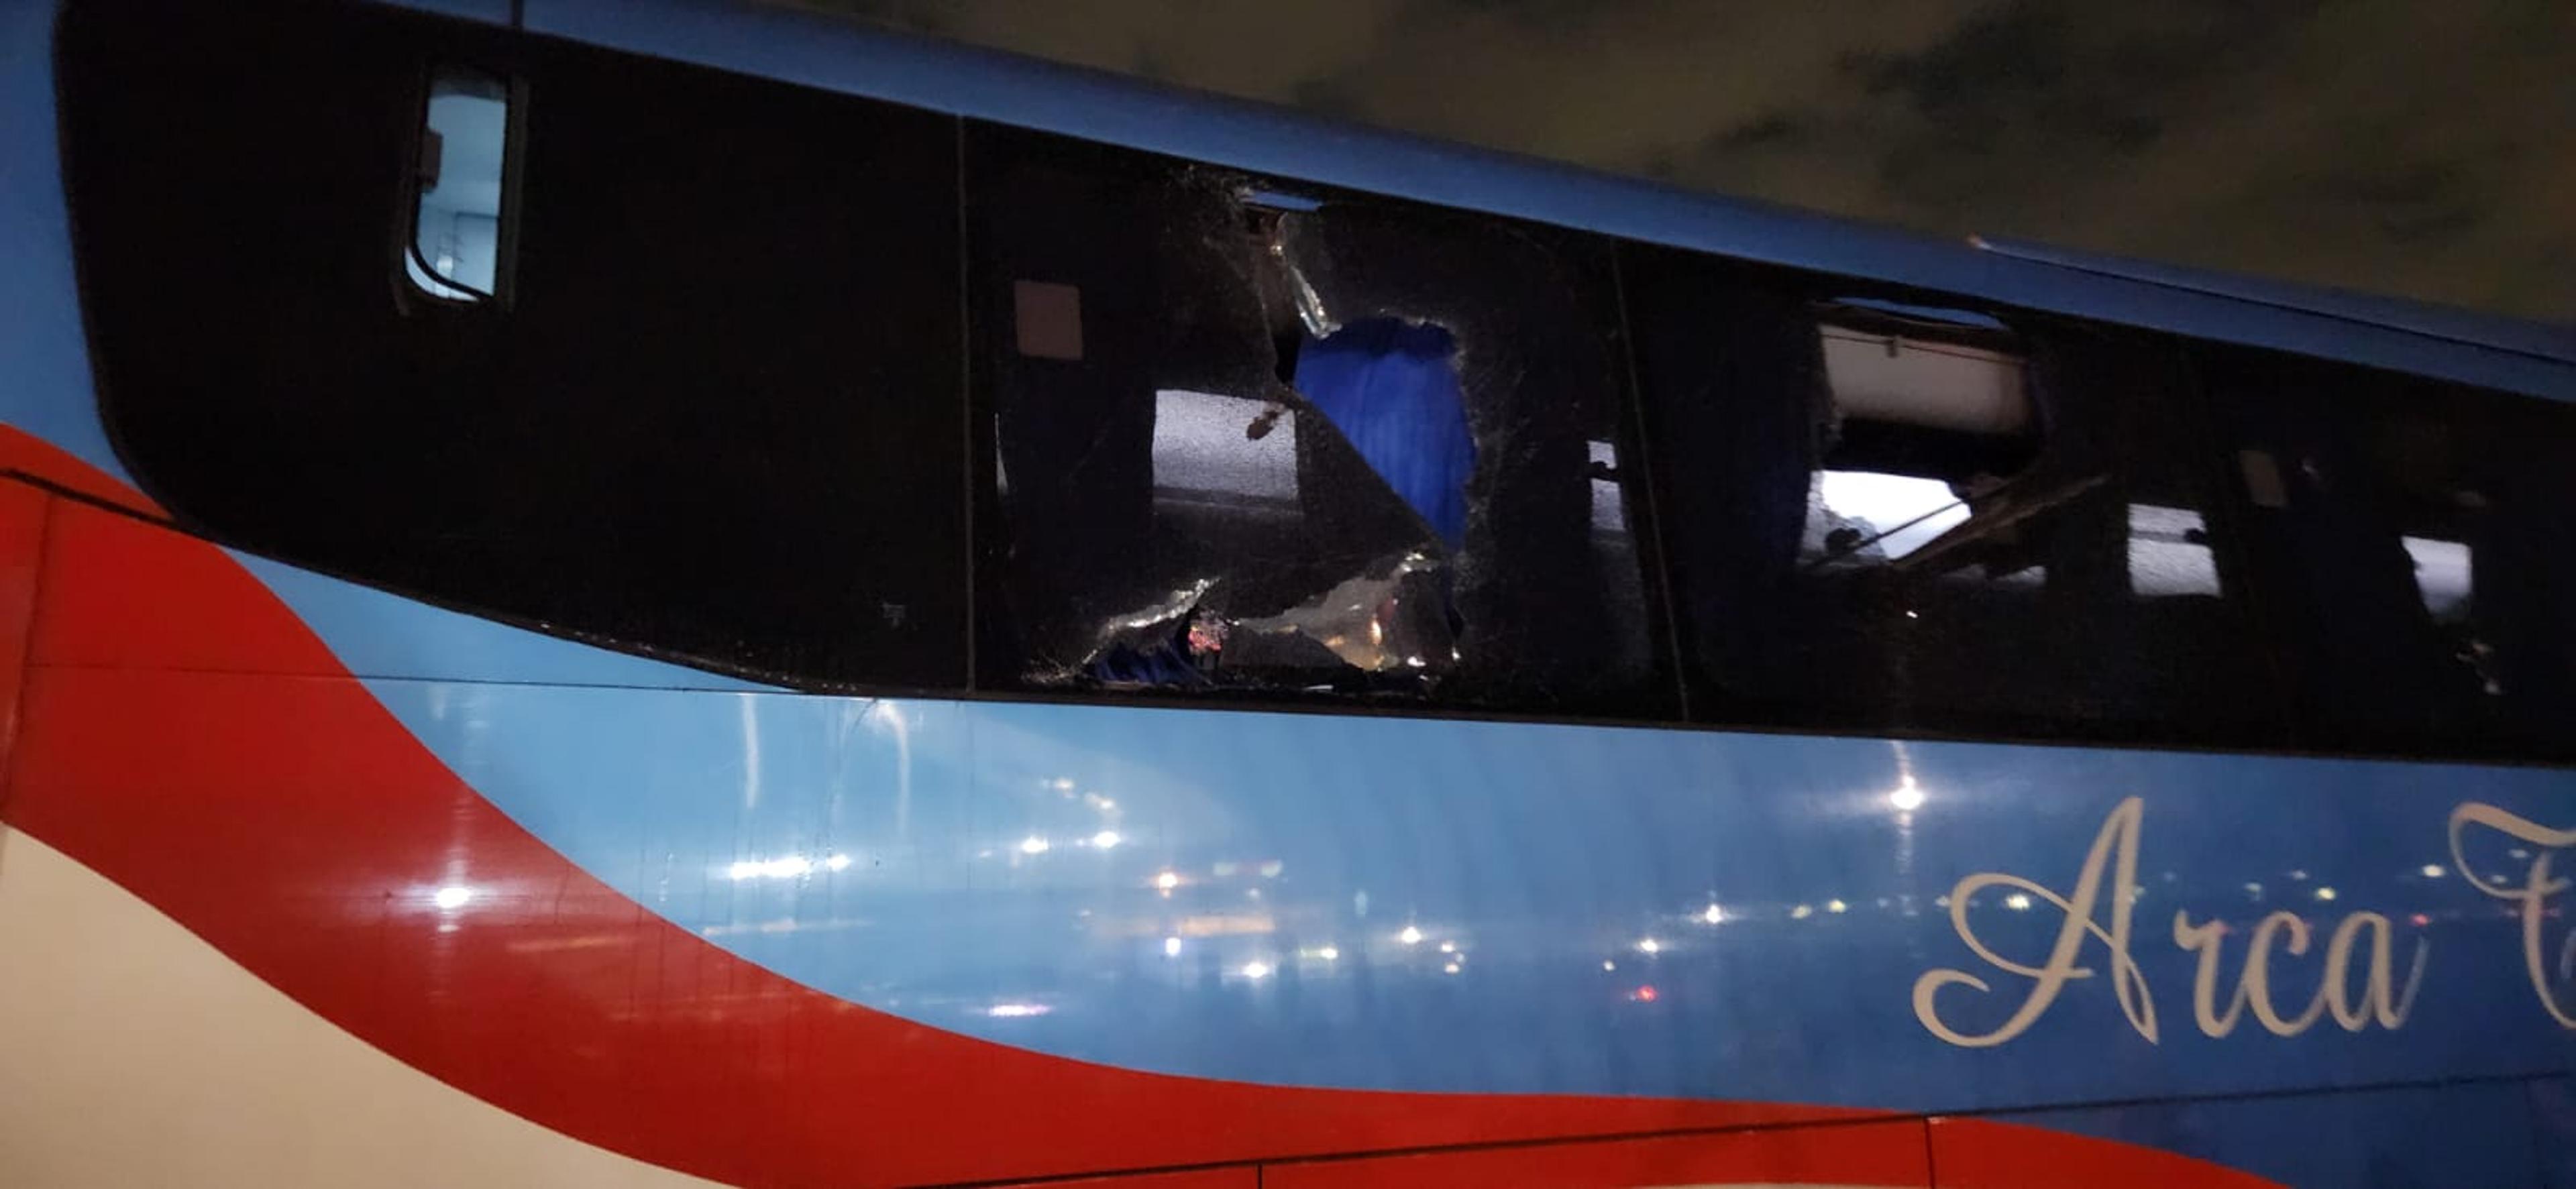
<point>294,823</point>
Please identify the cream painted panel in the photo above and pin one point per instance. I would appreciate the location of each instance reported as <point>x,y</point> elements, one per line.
<point>134,1054</point>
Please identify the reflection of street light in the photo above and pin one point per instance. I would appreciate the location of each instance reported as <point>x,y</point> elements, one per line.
<point>1171,947</point>
<point>1714,915</point>
<point>1167,881</point>
<point>1256,971</point>
<point>452,897</point>
<point>1907,796</point>
<point>1410,936</point>
<point>1105,839</point>
<point>1650,946</point>
<point>1033,845</point>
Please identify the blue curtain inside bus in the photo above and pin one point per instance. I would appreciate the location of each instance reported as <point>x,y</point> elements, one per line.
<point>1391,388</point>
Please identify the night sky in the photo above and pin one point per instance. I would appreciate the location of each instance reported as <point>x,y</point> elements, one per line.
<point>2427,150</point>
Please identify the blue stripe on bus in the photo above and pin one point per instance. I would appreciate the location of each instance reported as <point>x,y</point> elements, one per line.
<point>994,868</point>
<point>377,634</point>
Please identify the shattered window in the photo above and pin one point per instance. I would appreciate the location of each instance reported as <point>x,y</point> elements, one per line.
<point>1890,514</point>
<point>1248,442</point>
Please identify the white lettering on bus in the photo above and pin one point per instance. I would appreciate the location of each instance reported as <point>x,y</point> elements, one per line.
<point>2356,978</point>
<point>2533,894</point>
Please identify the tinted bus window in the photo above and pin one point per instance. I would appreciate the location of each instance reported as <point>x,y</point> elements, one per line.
<point>1268,444</point>
<point>2423,540</point>
<point>716,414</point>
<point>1892,515</point>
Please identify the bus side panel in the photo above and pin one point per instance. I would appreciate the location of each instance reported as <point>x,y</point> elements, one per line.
<point>1877,1154</point>
<point>190,745</point>
<point>2553,1122</point>
<point>2466,1135</point>
<point>22,535</point>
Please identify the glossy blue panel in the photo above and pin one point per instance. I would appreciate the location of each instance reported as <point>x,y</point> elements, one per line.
<point>2453,1137</point>
<point>2553,1120</point>
<point>997,869</point>
<point>778,42</point>
<point>2552,341</point>
<point>44,369</point>
<point>376,634</point>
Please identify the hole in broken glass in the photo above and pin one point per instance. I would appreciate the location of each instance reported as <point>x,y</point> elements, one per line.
<point>1384,390</point>
<point>1391,388</point>
<point>1391,619</point>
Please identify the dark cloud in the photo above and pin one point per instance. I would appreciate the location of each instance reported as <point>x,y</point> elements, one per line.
<point>2373,144</point>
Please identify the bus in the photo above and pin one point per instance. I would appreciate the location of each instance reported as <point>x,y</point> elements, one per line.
<point>682,591</point>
